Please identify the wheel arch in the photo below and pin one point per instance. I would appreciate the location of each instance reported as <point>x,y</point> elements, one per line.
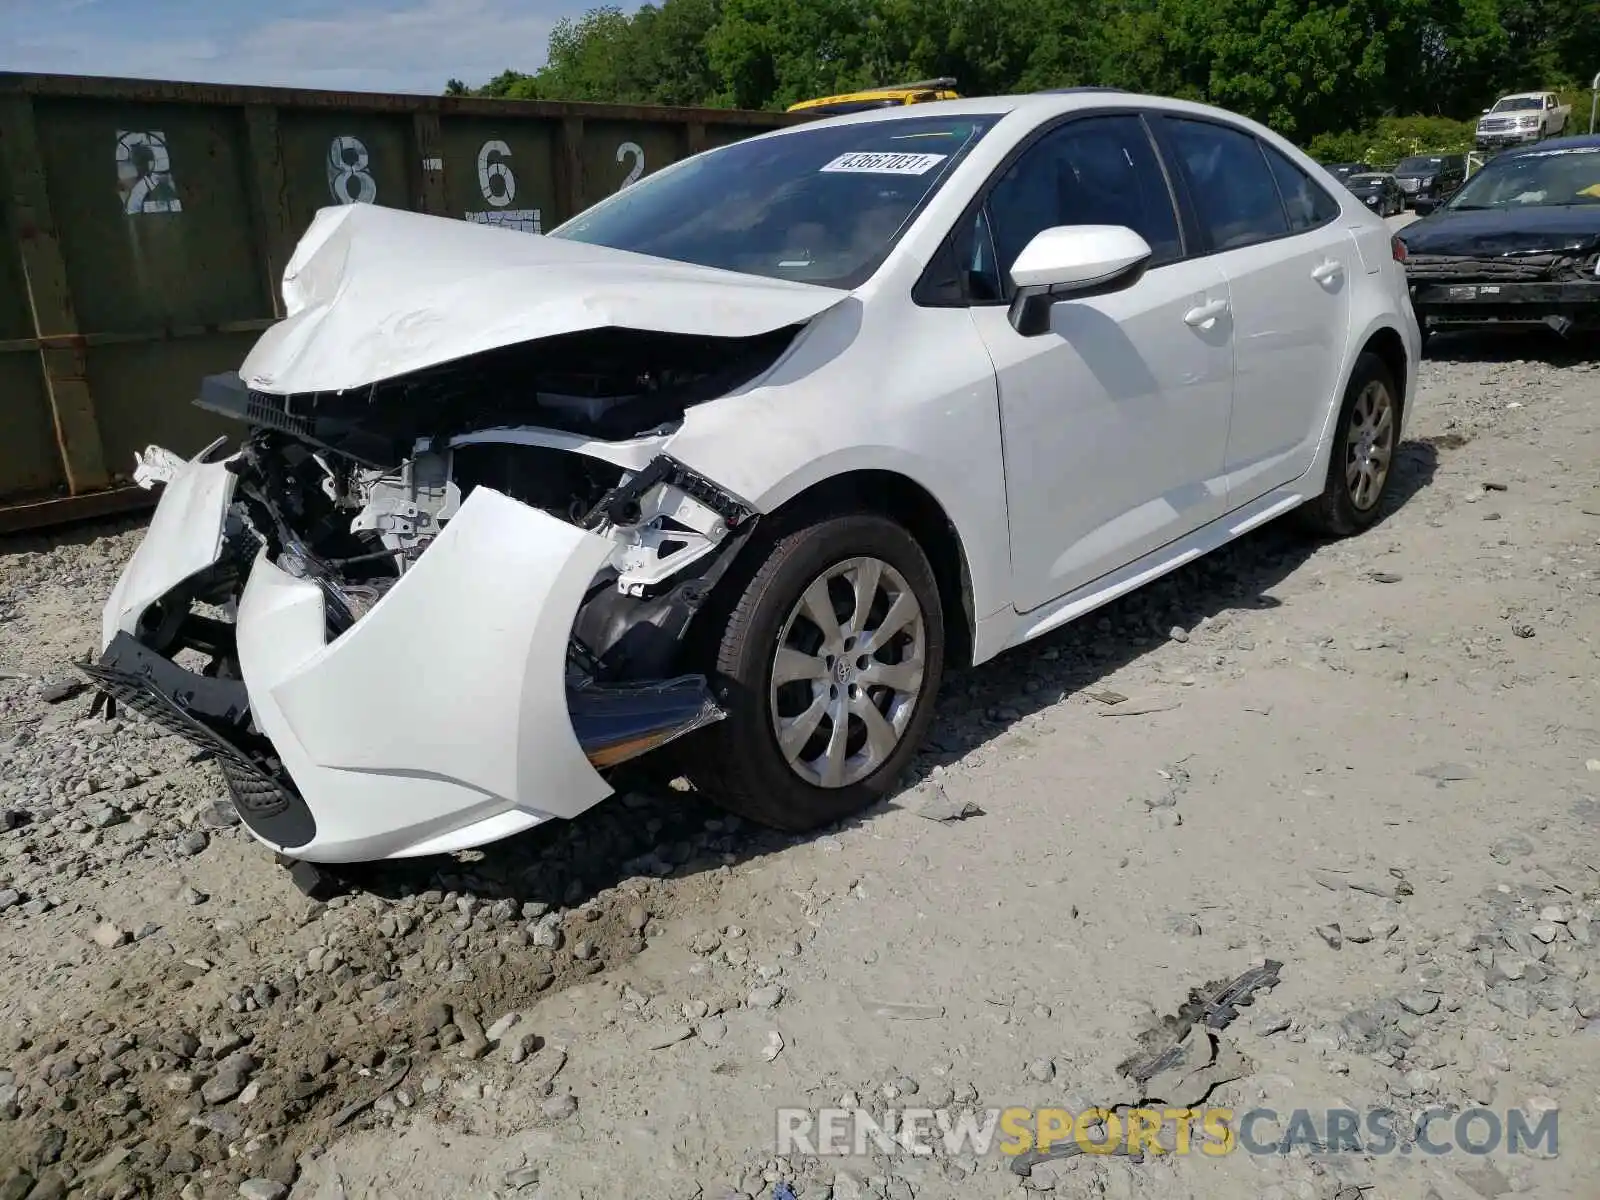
<point>1380,337</point>
<point>1386,342</point>
<point>908,503</point>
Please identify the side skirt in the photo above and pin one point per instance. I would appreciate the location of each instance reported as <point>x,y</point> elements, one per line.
<point>1009,628</point>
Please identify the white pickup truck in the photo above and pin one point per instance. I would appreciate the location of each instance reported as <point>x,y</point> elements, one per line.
<point>1523,117</point>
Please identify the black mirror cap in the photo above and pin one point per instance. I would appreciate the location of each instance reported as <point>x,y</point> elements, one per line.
<point>1425,205</point>
<point>1030,306</point>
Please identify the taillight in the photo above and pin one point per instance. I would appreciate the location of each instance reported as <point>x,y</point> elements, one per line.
<point>1399,249</point>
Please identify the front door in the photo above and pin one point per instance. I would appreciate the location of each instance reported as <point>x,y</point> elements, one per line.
<point>1115,420</point>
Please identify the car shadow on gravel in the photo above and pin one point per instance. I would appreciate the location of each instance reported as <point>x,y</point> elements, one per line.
<point>983,702</point>
<point>652,828</point>
<point>72,534</point>
<point>1512,345</point>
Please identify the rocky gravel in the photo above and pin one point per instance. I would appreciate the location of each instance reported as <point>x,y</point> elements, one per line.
<point>1376,761</point>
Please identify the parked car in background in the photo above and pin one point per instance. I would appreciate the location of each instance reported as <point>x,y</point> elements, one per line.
<point>1343,171</point>
<point>920,92</point>
<point>1519,244</point>
<point>1522,118</point>
<point>1379,191</point>
<point>746,454</point>
<point>1427,179</point>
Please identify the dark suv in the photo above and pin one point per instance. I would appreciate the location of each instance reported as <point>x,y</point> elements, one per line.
<point>1431,178</point>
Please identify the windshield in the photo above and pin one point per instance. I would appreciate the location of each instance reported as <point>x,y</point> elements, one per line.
<point>1418,166</point>
<point>822,205</point>
<point>1519,104</point>
<point>1366,178</point>
<point>1535,179</point>
<point>1345,170</point>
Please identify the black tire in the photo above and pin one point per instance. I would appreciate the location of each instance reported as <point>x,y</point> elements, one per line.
<point>737,763</point>
<point>1337,512</point>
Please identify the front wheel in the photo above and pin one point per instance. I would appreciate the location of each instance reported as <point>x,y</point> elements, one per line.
<point>1364,445</point>
<point>828,669</point>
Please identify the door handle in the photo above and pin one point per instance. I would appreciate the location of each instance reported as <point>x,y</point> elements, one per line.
<point>1323,272</point>
<point>1205,314</point>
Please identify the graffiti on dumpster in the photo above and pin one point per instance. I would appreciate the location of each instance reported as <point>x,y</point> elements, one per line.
<point>144,173</point>
<point>348,178</point>
<point>636,152</point>
<point>498,183</point>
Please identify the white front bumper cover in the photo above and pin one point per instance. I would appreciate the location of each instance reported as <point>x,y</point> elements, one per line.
<point>440,720</point>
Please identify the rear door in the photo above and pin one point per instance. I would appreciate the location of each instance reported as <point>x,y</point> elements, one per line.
<point>1290,264</point>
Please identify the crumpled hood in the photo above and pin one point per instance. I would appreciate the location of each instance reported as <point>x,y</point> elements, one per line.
<point>1493,232</point>
<point>373,293</point>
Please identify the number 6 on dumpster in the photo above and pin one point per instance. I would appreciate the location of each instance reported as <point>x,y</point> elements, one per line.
<point>492,166</point>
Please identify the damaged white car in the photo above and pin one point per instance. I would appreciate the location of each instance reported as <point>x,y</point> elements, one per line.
<point>735,464</point>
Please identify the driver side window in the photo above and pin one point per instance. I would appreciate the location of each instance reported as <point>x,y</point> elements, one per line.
<point>1097,171</point>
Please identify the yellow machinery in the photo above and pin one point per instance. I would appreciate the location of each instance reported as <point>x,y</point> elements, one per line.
<point>884,97</point>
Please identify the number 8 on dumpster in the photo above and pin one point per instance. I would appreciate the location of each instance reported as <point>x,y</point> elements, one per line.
<point>348,177</point>
<point>144,173</point>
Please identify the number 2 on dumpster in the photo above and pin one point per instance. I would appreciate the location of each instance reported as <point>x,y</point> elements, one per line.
<point>636,152</point>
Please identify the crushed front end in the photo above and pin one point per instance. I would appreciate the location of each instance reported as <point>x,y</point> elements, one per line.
<point>393,652</point>
<point>1558,288</point>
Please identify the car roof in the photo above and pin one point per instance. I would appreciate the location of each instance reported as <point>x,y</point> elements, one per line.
<point>1522,96</point>
<point>1586,141</point>
<point>1037,104</point>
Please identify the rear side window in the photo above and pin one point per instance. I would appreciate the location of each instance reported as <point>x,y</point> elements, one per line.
<point>1230,183</point>
<point>1307,204</point>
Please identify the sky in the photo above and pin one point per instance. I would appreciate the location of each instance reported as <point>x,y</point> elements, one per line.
<point>358,45</point>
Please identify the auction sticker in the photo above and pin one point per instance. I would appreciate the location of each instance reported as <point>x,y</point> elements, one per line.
<point>866,162</point>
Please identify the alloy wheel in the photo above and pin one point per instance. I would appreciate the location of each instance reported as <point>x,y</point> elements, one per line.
<point>848,671</point>
<point>1369,445</point>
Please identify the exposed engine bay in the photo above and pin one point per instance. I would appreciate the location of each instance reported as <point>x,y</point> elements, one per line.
<point>347,492</point>
<point>353,487</point>
<point>356,530</point>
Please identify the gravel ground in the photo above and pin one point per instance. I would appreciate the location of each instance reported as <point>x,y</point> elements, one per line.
<point>616,1006</point>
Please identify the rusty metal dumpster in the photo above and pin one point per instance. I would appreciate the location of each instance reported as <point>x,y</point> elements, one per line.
<point>144,227</point>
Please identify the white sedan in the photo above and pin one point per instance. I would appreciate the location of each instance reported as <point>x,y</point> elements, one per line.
<point>738,461</point>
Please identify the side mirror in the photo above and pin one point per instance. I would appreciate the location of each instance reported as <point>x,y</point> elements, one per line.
<point>1425,205</point>
<point>1488,110</point>
<point>1073,261</point>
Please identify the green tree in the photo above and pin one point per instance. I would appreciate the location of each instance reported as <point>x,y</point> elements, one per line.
<point>1308,68</point>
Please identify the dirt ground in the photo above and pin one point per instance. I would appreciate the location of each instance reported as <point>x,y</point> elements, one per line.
<point>1375,762</point>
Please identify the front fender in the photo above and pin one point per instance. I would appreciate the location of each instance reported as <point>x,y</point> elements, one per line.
<point>988,560</point>
<point>185,537</point>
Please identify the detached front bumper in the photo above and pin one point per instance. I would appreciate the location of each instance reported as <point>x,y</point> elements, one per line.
<point>1564,306</point>
<point>445,717</point>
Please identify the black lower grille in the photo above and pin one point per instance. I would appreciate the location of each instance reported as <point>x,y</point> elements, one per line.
<point>210,713</point>
<point>141,696</point>
<point>253,791</point>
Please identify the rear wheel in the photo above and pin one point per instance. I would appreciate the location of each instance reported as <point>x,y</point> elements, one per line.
<point>1364,446</point>
<point>828,668</point>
